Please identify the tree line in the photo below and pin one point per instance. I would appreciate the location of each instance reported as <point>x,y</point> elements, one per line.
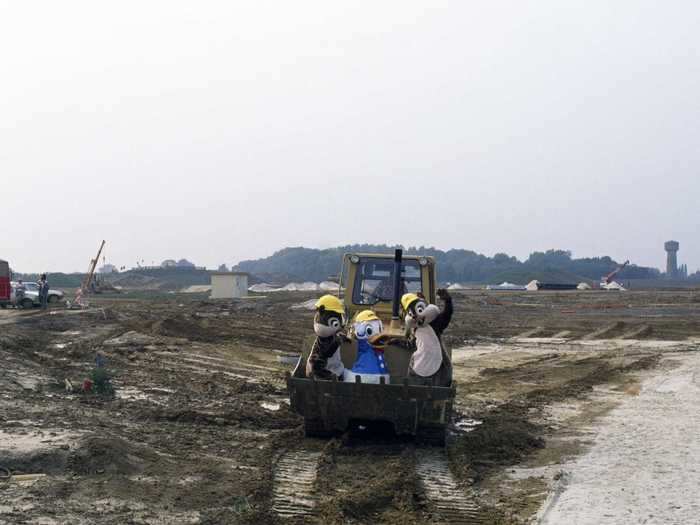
<point>456,265</point>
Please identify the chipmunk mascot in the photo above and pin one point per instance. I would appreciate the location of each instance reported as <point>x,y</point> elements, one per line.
<point>425,323</point>
<point>324,360</point>
<point>370,364</point>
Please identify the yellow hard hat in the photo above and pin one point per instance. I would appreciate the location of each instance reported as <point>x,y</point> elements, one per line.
<point>407,299</point>
<point>330,303</point>
<point>366,315</point>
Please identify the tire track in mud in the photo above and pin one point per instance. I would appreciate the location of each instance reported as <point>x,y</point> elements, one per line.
<point>294,487</point>
<point>453,505</point>
<point>293,493</point>
<point>205,365</point>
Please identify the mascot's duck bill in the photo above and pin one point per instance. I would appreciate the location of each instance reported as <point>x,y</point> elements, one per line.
<point>370,364</point>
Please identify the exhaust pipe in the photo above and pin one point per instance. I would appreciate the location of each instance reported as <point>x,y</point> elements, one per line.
<point>398,255</point>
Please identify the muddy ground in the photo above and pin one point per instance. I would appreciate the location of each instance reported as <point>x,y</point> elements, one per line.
<point>198,424</point>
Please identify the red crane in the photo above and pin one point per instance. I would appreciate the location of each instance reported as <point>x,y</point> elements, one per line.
<point>608,278</point>
<point>5,287</point>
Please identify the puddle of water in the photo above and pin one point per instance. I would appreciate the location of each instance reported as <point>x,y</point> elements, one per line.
<point>562,411</point>
<point>288,359</point>
<point>545,471</point>
<point>225,363</point>
<point>210,372</point>
<point>129,393</point>
<point>467,425</point>
<point>18,423</point>
<point>11,509</point>
<point>189,480</point>
<point>33,439</point>
<point>29,382</point>
<point>144,479</point>
<point>108,504</point>
<point>191,517</point>
<point>159,390</point>
<point>44,520</point>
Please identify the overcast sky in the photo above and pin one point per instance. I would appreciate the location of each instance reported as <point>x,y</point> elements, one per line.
<point>222,130</point>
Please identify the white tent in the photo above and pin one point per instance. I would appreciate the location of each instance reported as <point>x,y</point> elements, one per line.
<point>293,287</point>
<point>307,286</point>
<point>533,286</point>
<point>306,305</point>
<point>328,286</point>
<point>505,286</point>
<point>615,286</point>
<point>262,287</point>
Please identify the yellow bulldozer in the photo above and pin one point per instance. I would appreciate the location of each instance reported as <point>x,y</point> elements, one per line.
<point>410,404</point>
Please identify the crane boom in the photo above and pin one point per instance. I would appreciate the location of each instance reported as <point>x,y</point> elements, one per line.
<point>608,278</point>
<point>91,270</point>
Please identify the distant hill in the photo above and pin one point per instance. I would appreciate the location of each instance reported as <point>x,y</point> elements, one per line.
<point>56,280</point>
<point>464,266</point>
<point>307,264</point>
<point>174,278</point>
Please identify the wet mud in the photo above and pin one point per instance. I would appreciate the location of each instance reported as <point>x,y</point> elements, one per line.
<point>199,430</point>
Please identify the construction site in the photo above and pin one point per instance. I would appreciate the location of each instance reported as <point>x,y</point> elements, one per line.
<point>403,263</point>
<point>162,408</point>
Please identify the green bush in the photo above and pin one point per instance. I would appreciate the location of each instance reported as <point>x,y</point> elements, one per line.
<point>102,382</point>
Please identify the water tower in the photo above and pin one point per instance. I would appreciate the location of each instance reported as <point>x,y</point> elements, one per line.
<point>671,248</point>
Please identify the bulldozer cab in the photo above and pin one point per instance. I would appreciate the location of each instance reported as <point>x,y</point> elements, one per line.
<point>369,281</point>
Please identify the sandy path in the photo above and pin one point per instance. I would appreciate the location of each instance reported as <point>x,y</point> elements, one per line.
<point>644,466</point>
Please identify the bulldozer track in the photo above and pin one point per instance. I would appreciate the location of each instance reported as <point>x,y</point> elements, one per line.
<point>294,480</point>
<point>293,484</point>
<point>453,505</point>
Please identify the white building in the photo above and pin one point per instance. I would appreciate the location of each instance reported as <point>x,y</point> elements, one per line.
<point>229,285</point>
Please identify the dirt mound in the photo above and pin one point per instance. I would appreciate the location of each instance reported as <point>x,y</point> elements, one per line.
<point>11,341</point>
<point>248,415</point>
<point>57,321</point>
<point>185,327</point>
<point>594,371</point>
<point>504,438</point>
<point>144,282</point>
<point>386,487</point>
<point>42,460</point>
<point>379,483</point>
<point>130,338</point>
<point>99,455</point>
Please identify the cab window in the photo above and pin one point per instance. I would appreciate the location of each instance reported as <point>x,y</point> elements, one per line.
<point>374,280</point>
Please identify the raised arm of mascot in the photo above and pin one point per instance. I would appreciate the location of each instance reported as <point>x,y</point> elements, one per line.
<point>425,324</point>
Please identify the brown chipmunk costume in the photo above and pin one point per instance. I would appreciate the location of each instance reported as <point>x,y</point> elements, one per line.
<point>324,360</point>
<point>425,323</point>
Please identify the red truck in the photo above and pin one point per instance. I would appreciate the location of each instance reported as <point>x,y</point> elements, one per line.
<point>5,289</point>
